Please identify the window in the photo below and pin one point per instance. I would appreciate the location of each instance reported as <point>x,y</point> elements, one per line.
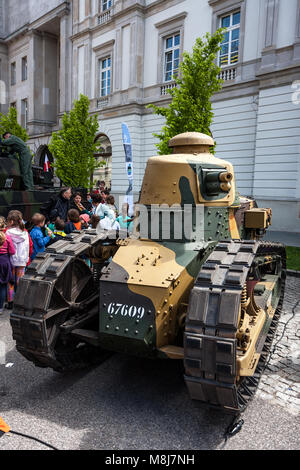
<point>105,75</point>
<point>24,113</point>
<point>229,53</point>
<point>172,55</point>
<point>24,69</point>
<point>105,5</point>
<point>13,77</point>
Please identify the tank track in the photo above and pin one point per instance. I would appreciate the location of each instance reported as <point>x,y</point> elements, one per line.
<point>59,288</point>
<point>210,339</point>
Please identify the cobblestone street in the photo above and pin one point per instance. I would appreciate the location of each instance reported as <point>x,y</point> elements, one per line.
<point>280,382</point>
<point>129,403</point>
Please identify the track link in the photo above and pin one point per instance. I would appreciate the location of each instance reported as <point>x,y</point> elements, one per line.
<point>210,339</point>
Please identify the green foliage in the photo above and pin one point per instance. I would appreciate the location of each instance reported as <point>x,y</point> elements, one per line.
<point>293,258</point>
<point>191,109</point>
<point>73,147</point>
<point>9,123</point>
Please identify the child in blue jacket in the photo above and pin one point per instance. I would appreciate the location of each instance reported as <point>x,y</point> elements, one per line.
<point>38,238</point>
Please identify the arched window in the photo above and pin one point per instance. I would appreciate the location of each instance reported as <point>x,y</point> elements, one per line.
<point>43,156</point>
<point>44,159</point>
<point>103,154</point>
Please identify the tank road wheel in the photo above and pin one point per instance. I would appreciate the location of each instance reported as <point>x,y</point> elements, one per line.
<point>57,296</point>
<point>233,313</point>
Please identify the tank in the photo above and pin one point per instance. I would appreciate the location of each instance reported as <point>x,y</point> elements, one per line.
<point>13,195</point>
<point>195,283</point>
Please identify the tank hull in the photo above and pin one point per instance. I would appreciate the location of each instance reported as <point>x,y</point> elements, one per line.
<point>140,294</point>
<point>28,202</point>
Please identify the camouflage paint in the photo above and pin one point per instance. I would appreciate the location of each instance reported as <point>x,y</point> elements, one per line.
<point>12,194</point>
<point>149,280</point>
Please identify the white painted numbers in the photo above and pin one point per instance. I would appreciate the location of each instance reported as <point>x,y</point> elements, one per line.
<point>125,310</point>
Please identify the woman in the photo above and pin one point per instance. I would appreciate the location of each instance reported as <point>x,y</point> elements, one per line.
<point>77,204</point>
<point>96,201</point>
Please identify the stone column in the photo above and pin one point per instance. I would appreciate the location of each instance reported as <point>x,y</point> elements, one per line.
<point>42,97</point>
<point>270,33</point>
<point>3,19</point>
<point>297,35</point>
<point>35,77</point>
<point>137,52</point>
<point>4,84</point>
<point>66,54</point>
<point>271,23</point>
<point>118,60</point>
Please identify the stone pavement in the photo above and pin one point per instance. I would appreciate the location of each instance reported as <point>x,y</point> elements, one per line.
<point>280,382</point>
<point>132,403</point>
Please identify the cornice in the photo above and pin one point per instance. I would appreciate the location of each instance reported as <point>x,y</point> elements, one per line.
<point>138,9</point>
<point>214,3</point>
<point>178,17</point>
<point>16,34</point>
<point>58,12</point>
<point>104,45</point>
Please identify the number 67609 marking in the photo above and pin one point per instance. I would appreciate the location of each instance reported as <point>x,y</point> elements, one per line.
<point>124,310</point>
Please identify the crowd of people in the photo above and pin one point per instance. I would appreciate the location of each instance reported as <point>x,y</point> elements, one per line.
<point>62,215</point>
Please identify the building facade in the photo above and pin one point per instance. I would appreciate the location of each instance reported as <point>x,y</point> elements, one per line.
<point>123,54</point>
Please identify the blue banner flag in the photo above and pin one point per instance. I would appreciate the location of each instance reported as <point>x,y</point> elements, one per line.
<point>129,165</point>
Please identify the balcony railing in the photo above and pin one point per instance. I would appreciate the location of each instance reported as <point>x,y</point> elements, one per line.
<point>167,86</point>
<point>103,102</point>
<point>104,17</point>
<point>228,74</point>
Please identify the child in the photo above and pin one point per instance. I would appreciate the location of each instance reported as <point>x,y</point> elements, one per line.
<point>6,250</point>
<point>59,229</point>
<point>20,238</point>
<point>85,221</point>
<point>38,239</point>
<point>110,202</point>
<point>124,220</point>
<point>95,219</point>
<point>73,221</point>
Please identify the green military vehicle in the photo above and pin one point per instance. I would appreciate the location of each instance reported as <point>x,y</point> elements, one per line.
<point>209,295</point>
<point>13,195</point>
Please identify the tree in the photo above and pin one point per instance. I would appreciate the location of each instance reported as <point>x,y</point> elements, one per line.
<point>191,109</point>
<point>9,123</point>
<point>73,147</point>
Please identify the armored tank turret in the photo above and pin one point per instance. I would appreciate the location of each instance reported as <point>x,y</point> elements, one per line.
<point>13,195</point>
<point>194,283</point>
